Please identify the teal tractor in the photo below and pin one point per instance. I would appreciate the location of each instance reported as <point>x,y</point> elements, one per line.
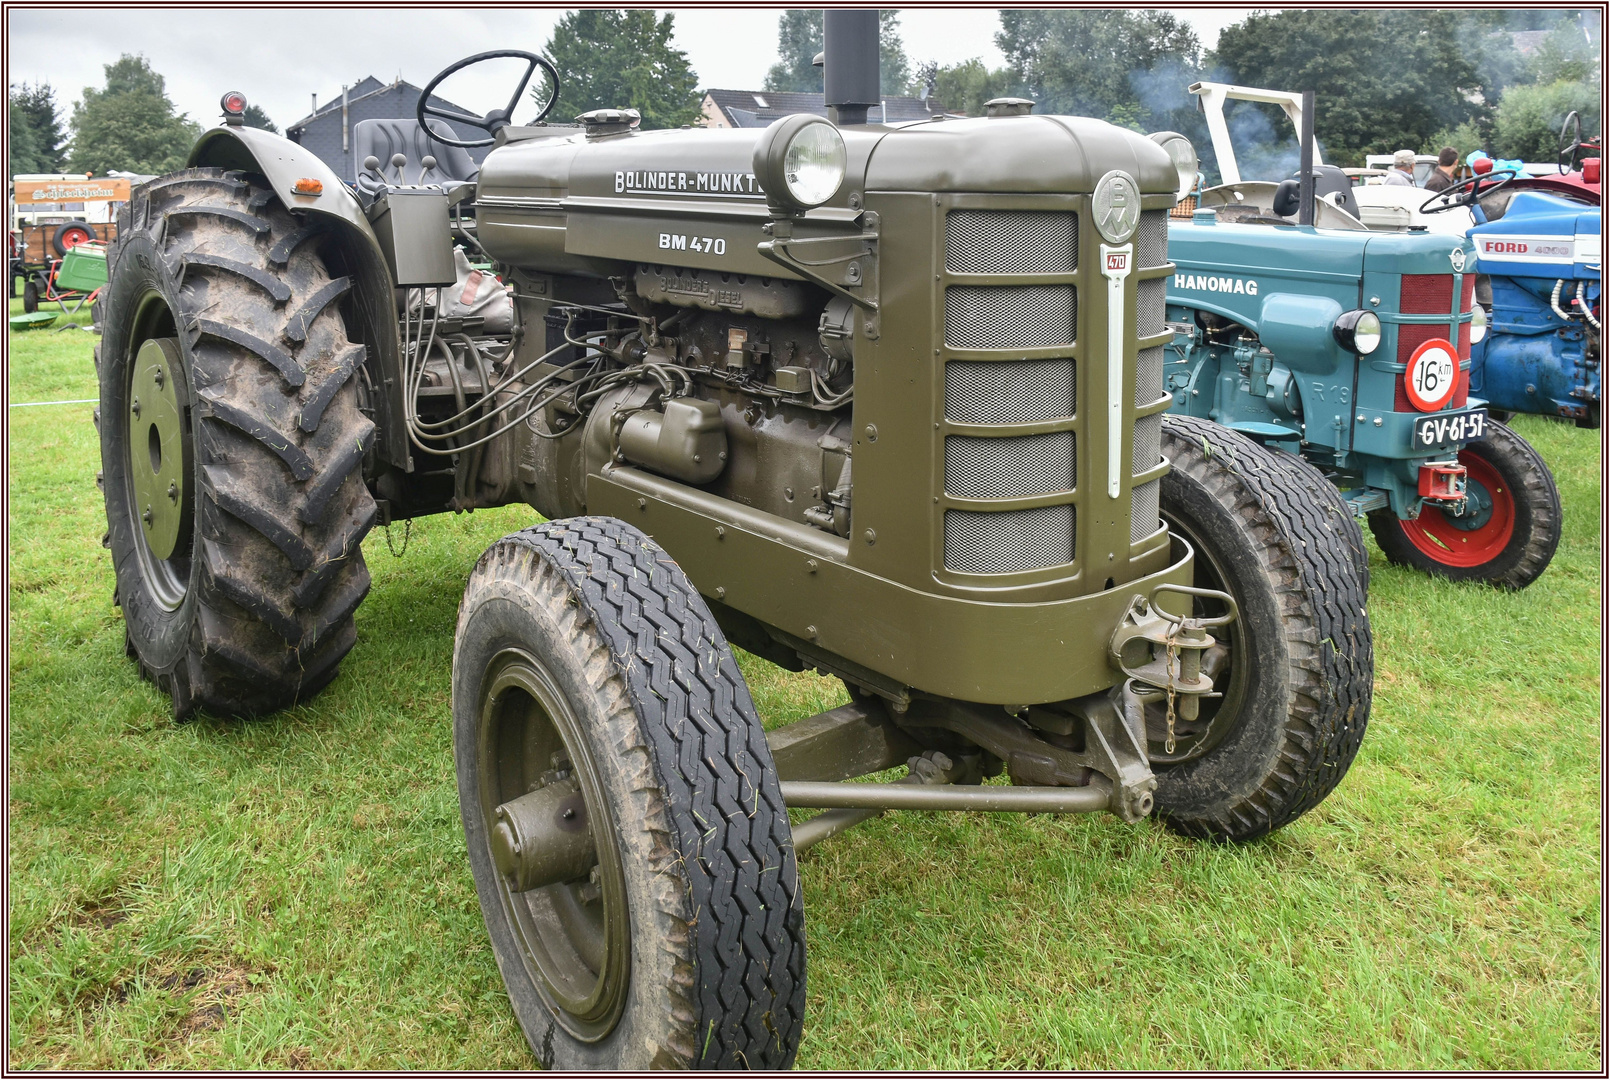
<point>1352,349</point>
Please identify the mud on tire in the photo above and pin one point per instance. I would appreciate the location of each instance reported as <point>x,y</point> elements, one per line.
<point>1302,664</point>
<point>633,678</point>
<point>251,609</point>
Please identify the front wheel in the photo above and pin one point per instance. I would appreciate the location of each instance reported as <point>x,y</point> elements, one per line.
<point>626,831</point>
<point>30,296</point>
<point>1509,527</point>
<point>1294,670</point>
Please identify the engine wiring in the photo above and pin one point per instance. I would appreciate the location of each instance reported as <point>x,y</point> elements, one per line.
<point>591,376</point>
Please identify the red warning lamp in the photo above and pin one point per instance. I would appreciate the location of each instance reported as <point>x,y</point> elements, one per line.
<point>234,106</point>
<point>1590,170</point>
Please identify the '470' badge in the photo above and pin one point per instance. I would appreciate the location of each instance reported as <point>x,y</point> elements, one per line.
<point>1117,207</point>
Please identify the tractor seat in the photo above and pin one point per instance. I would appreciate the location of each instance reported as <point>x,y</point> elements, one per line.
<point>386,138</point>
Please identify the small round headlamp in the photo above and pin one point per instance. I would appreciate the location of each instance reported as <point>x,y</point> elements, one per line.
<point>1183,155</point>
<point>800,162</point>
<point>1358,331</point>
<point>1478,323</point>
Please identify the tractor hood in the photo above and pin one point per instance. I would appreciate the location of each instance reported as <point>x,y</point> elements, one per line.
<point>1541,235</point>
<point>595,204</point>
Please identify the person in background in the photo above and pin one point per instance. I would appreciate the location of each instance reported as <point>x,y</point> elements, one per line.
<point>1401,174</point>
<point>1442,175</point>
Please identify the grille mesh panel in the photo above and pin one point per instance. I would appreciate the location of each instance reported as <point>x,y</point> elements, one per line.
<point>1147,443</point>
<point>1143,515</point>
<point>1007,468</point>
<point>1149,375</point>
<point>1151,239</point>
<point>999,242</point>
<point>1008,541</point>
<point>1427,294</point>
<point>1009,391</point>
<point>1026,317</point>
<point>1151,315</point>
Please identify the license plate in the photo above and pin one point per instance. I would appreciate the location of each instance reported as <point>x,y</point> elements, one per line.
<point>1444,428</point>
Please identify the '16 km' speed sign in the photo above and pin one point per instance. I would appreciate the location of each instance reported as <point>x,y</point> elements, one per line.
<point>1432,375</point>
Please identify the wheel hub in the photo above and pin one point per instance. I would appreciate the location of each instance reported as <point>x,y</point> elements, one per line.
<point>159,466</point>
<point>550,838</point>
<point>1477,511</point>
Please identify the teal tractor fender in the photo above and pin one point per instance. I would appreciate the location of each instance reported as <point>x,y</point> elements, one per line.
<point>355,253</point>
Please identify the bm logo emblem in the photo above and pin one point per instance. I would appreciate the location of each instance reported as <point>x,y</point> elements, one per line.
<point>1117,207</point>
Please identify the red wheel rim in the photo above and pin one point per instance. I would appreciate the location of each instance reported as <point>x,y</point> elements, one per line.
<point>1436,536</point>
<point>73,237</point>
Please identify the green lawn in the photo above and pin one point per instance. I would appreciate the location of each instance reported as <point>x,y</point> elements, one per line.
<point>293,891</point>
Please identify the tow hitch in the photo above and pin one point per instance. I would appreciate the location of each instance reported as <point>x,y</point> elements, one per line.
<point>1442,481</point>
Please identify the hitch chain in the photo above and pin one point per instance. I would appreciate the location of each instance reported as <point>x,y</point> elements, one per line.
<point>408,530</point>
<point>1182,640</point>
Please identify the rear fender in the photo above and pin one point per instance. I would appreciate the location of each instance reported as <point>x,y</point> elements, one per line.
<point>354,251</point>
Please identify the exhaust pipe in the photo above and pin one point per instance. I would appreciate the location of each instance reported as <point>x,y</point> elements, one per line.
<point>850,63</point>
<point>1305,174</point>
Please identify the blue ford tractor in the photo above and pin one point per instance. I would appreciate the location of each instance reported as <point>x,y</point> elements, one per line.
<point>1352,348</point>
<point>1539,256</point>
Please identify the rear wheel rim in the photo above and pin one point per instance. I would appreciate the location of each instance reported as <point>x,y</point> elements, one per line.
<point>577,951</point>
<point>1447,540</point>
<point>1218,716</point>
<point>73,237</point>
<point>158,459</point>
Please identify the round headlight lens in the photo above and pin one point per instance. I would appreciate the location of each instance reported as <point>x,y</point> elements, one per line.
<point>1367,333</point>
<point>1358,331</point>
<point>1183,155</point>
<point>1478,323</point>
<point>813,164</point>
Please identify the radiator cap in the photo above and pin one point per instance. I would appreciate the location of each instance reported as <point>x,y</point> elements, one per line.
<point>1008,106</point>
<point>609,121</point>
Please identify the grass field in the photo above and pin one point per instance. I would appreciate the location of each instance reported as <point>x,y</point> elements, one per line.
<point>293,892</point>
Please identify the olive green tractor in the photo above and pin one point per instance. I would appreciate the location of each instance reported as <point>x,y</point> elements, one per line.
<point>884,401</point>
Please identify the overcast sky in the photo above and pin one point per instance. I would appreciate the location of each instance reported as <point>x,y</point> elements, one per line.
<point>280,57</point>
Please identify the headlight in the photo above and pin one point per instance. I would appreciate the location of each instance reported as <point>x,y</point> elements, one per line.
<point>1478,323</point>
<point>800,161</point>
<point>1358,331</point>
<point>1183,155</point>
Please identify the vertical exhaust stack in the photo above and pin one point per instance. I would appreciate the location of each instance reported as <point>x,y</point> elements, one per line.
<point>850,63</point>
<point>1305,173</point>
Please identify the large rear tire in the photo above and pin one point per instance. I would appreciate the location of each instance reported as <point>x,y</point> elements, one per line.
<point>1509,531</point>
<point>231,447</point>
<point>1295,669</point>
<point>593,691</point>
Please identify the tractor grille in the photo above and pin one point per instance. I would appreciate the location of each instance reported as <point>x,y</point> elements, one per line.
<point>1427,294</point>
<point>1143,515</point>
<point>1009,468</point>
<point>998,242</point>
<point>1151,239</point>
<point>1432,294</point>
<point>1149,375</point>
<point>1151,309</point>
<point>1008,541</point>
<point>1009,391</point>
<point>1022,317</point>
<point>1147,442</point>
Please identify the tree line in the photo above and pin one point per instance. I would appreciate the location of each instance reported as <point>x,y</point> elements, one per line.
<point>1416,78</point>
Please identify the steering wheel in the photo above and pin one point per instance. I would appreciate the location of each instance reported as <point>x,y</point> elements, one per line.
<point>496,120</point>
<point>1571,144</point>
<point>1466,192</point>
